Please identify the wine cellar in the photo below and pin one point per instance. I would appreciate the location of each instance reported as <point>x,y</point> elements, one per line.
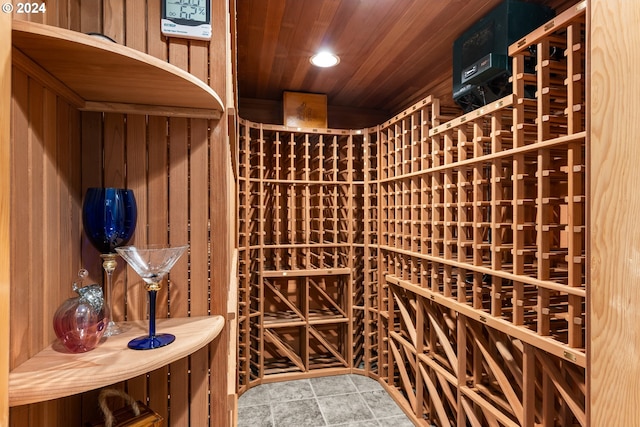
<point>442,254</point>
<point>447,236</point>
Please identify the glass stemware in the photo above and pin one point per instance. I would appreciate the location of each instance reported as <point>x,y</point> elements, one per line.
<point>151,263</point>
<point>109,219</point>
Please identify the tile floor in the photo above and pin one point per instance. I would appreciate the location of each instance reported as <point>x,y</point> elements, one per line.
<point>343,400</point>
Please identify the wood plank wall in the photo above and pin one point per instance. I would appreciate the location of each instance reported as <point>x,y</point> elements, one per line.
<point>269,111</point>
<point>180,171</point>
<point>45,222</point>
<point>5,237</point>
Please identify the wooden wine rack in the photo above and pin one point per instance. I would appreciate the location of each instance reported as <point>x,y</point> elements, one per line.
<point>459,242</point>
<point>302,249</point>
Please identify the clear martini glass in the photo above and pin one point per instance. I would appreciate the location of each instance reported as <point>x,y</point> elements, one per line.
<point>151,263</point>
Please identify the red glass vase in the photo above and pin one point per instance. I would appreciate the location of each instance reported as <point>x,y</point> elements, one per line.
<point>80,322</point>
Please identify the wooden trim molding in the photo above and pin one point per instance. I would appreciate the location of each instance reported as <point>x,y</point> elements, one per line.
<point>614,292</point>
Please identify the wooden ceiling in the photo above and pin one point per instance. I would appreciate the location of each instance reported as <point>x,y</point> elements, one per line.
<point>392,52</point>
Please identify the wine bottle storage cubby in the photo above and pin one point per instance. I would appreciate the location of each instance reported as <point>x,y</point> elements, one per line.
<point>284,350</point>
<point>244,301</point>
<point>358,301</point>
<point>359,337</point>
<point>328,347</point>
<point>357,236</point>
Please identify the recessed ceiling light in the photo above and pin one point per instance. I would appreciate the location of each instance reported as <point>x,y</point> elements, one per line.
<point>324,59</point>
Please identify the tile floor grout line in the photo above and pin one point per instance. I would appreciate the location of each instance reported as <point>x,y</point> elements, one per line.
<point>273,416</point>
<point>315,396</point>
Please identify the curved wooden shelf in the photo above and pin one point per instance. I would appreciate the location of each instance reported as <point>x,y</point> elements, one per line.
<point>99,75</point>
<point>51,373</point>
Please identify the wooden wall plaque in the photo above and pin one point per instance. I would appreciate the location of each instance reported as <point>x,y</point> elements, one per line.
<point>305,110</point>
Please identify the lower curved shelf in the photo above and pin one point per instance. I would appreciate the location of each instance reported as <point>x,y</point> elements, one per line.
<point>52,374</point>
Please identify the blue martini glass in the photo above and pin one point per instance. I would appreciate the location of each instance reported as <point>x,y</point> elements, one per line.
<point>152,263</point>
<point>109,220</point>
